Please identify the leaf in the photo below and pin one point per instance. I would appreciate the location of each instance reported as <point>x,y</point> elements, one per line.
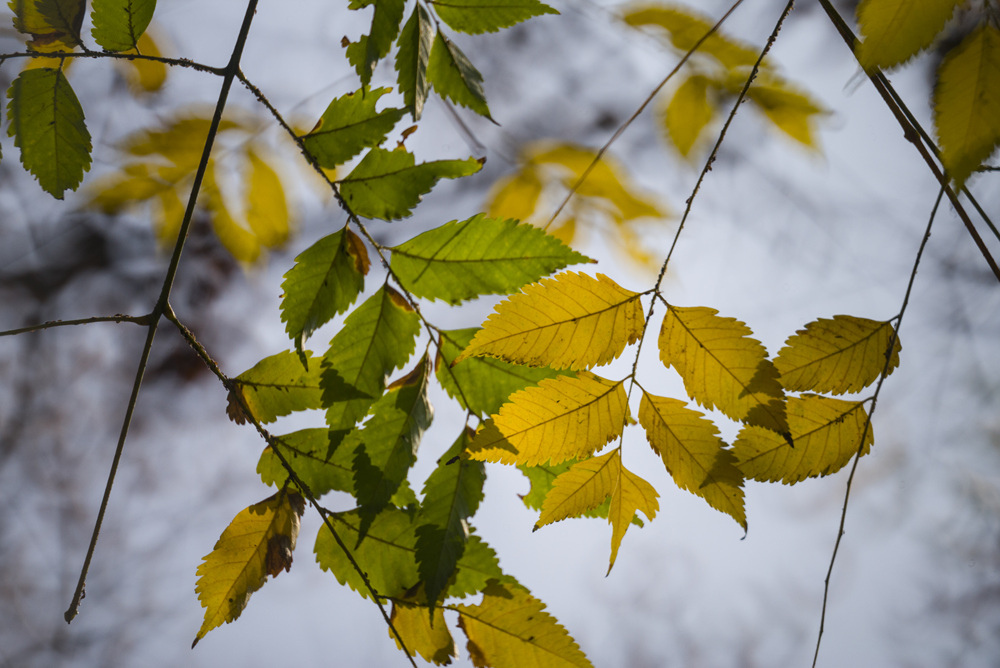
<point>695,456</point>
<point>415,43</point>
<point>371,48</point>
<point>479,16</point>
<point>515,195</point>
<point>425,634</point>
<point>478,256</point>
<point>562,418</point>
<point>388,184</point>
<point>966,100</point>
<point>54,25</point>
<point>452,494</point>
<point>118,24</point>
<point>46,121</point>
<point>686,27</point>
<point>388,442</point>
<point>541,478</point>
<point>482,384</point>
<point>146,75</point>
<point>896,30</point>
<point>377,338</point>
<point>570,321</point>
<point>236,238</point>
<point>279,385</point>
<point>510,629</point>
<point>349,125</point>
<point>326,279</point>
<point>826,432</point>
<point>688,113</point>
<point>454,77</point>
<point>722,366</point>
<point>267,209</point>
<point>257,543</point>
<point>790,110</point>
<point>387,556</point>
<point>838,355</point>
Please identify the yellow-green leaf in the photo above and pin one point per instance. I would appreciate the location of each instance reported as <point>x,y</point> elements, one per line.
<point>688,112</point>
<point>789,109</point>
<point>842,354</point>
<point>510,629</point>
<point>697,459</point>
<point>54,25</point>
<point>896,30</point>
<point>146,75</point>
<point>426,634</point>
<point>826,432</point>
<point>570,321</point>
<point>515,195</point>
<point>686,27</point>
<point>562,418</point>
<point>723,366</point>
<point>967,103</point>
<point>257,543</point>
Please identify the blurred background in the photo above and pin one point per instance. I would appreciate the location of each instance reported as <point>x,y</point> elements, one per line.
<point>780,234</point>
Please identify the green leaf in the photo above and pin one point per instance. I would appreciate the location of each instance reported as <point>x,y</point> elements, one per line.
<point>415,43</point>
<point>377,338</point>
<point>326,279</point>
<point>54,25</point>
<point>388,184</point>
<point>118,24</point>
<point>349,125</point>
<point>966,103</point>
<point>306,451</point>
<point>479,16</point>
<point>388,442</point>
<point>452,494</point>
<point>388,556</point>
<point>371,48</point>
<point>483,384</point>
<point>478,256</point>
<point>454,77</point>
<point>896,30</point>
<point>47,124</point>
<point>278,385</point>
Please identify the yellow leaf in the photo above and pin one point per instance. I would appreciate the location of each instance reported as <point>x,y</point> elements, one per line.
<point>239,241</point>
<point>688,112</point>
<point>631,493</point>
<point>697,459</point>
<point>424,632</point>
<point>722,366</point>
<point>896,30</point>
<point>842,354</point>
<point>146,75</point>
<point>168,214</point>
<point>571,321</point>
<point>790,110</point>
<point>967,103</point>
<point>686,28</point>
<point>510,629</point>
<point>561,418</point>
<point>267,209</point>
<point>826,432</point>
<point>257,543</point>
<point>133,183</point>
<point>515,196</point>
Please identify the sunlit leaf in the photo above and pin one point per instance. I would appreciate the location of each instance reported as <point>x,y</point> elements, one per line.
<point>482,384</point>
<point>118,24</point>
<point>307,451</point>
<point>893,31</point>
<point>454,77</point>
<point>267,207</point>
<point>349,125</point>
<point>47,124</point>
<point>827,435</point>
<point>479,16</point>
<point>570,321</point>
<point>279,385</point>
<point>685,27</point>
<point>723,366</point>
<point>388,184</point>
<point>842,354</point>
<point>371,48</point>
<point>259,542</point>
<point>630,494</point>
<point>479,256</point>
<point>688,112</point>
<point>415,43</point>
<point>425,634</point>
<point>326,279</point>
<point>697,459</point>
<point>241,243</point>
<point>562,418</point>
<point>966,100</point>
<point>510,629</point>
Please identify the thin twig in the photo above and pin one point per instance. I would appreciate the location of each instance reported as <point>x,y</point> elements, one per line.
<point>642,107</point>
<point>162,302</point>
<point>868,421</point>
<point>138,320</point>
<point>63,55</point>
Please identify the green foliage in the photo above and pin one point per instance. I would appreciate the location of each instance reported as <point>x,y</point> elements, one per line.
<point>348,126</point>
<point>454,77</point>
<point>479,16</point>
<point>118,24</point>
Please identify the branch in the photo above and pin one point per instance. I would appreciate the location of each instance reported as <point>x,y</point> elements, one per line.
<point>138,320</point>
<point>63,55</point>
